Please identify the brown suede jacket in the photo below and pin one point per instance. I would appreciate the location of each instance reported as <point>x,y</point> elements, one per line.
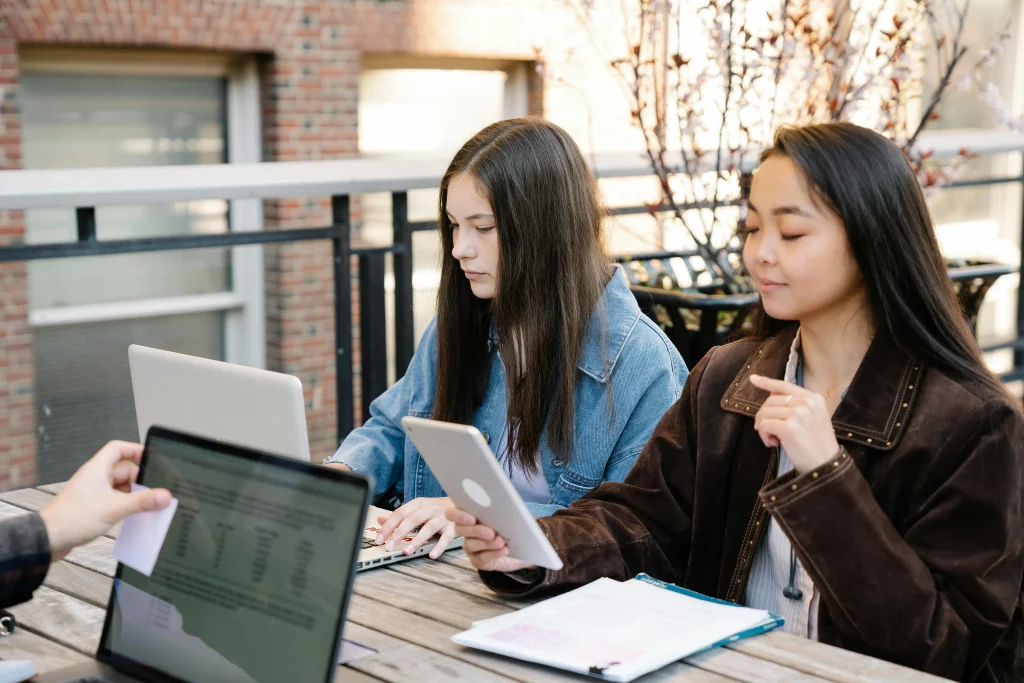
<point>913,533</point>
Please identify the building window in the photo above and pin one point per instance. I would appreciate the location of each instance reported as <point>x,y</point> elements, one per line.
<point>106,110</point>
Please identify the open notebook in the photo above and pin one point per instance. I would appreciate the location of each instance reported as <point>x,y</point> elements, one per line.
<point>617,631</point>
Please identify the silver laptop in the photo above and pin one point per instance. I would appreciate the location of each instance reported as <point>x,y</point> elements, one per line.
<point>232,403</point>
<point>253,580</point>
<point>237,405</point>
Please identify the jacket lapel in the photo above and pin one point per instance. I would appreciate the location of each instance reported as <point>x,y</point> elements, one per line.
<point>874,411</point>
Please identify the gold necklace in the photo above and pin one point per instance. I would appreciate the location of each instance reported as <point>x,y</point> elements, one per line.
<point>829,390</point>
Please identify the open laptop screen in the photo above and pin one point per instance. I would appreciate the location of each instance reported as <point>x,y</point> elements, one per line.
<point>251,582</point>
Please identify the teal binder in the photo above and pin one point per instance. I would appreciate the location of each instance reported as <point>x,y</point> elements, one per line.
<point>773,623</point>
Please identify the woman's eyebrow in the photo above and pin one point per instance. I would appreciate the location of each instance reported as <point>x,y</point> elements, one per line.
<point>782,210</point>
<point>474,217</point>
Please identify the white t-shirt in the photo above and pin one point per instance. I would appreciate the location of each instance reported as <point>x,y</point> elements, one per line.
<point>532,486</point>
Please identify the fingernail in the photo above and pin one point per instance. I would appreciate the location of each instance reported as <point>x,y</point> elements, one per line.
<point>380,539</point>
<point>408,549</point>
<point>390,545</point>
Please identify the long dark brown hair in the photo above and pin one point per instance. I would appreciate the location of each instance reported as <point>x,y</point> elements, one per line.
<point>552,272</point>
<point>868,183</point>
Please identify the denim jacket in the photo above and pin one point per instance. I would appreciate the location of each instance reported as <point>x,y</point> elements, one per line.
<point>646,377</point>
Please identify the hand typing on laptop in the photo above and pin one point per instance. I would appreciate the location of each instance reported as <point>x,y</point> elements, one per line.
<point>415,529</point>
<point>425,514</point>
<point>428,514</point>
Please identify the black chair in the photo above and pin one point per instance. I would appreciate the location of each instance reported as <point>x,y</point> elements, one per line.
<point>971,282</point>
<point>695,322</point>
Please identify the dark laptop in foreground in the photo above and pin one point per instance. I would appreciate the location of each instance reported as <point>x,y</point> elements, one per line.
<point>254,577</point>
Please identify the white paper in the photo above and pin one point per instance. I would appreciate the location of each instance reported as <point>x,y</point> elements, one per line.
<point>16,670</point>
<point>626,629</point>
<point>142,536</point>
<point>351,651</point>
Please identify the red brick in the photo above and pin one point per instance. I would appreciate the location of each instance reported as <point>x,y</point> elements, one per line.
<point>319,84</point>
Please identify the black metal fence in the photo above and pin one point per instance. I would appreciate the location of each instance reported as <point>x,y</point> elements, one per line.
<point>372,292</point>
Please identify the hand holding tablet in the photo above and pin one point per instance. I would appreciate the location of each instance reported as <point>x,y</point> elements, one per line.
<point>473,478</point>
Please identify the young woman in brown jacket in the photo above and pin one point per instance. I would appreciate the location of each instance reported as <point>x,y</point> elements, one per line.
<point>854,466</point>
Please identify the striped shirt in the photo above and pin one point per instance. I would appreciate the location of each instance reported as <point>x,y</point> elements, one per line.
<point>24,558</point>
<point>773,558</point>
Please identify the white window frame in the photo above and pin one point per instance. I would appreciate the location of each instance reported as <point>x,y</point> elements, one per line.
<point>244,304</point>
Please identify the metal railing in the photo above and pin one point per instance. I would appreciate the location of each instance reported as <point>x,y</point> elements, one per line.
<point>85,189</point>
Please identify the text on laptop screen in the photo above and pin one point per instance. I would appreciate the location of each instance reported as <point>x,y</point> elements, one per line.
<point>250,581</point>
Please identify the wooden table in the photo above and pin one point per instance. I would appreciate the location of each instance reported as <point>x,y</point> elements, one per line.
<point>408,613</point>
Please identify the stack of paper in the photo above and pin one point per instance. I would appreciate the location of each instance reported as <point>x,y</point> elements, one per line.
<point>615,630</point>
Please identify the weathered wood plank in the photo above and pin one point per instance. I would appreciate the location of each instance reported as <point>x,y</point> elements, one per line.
<point>97,555</point>
<point>62,619</point>
<point>412,663</point>
<point>426,599</point>
<point>367,636</point>
<point>749,669</point>
<point>347,675</point>
<point>676,673</point>
<point>79,582</point>
<point>398,660</point>
<point>8,511</point>
<point>29,499</point>
<point>455,578</point>
<point>437,636</point>
<point>45,654</point>
<point>457,558</point>
<point>831,663</point>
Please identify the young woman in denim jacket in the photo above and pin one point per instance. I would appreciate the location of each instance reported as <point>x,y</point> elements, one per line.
<point>538,341</point>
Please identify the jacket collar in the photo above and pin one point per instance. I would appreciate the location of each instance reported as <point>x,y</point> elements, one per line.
<point>616,315</point>
<point>875,410</point>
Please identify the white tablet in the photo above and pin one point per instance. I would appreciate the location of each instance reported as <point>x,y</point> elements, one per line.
<point>473,478</point>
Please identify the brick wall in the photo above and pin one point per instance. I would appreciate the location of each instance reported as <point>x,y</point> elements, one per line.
<point>311,56</point>
<point>17,411</point>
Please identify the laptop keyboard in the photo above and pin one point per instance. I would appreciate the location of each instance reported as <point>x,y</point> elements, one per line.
<point>371,542</point>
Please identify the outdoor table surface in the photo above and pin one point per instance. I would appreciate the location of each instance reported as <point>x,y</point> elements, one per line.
<point>408,612</point>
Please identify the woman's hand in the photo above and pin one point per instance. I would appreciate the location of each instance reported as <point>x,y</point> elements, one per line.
<point>798,420</point>
<point>487,551</point>
<point>425,513</point>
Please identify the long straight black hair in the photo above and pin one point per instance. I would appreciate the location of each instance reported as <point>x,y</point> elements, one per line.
<point>552,272</point>
<point>868,183</point>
